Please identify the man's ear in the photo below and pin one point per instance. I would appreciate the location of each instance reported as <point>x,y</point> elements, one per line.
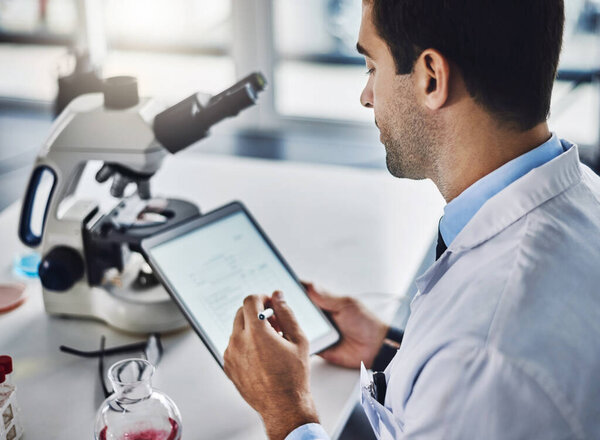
<point>432,79</point>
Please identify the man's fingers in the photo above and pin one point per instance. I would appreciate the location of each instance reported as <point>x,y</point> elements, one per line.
<point>238,322</point>
<point>286,319</point>
<point>307,285</point>
<point>253,305</point>
<point>275,324</point>
<point>337,357</point>
<point>237,332</point>
<point>332,357</point>
<point>324,301</point>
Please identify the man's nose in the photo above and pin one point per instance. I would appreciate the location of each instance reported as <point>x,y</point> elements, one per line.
<point>366,97</point>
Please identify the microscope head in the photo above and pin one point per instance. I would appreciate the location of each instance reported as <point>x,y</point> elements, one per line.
<point>131,136</point>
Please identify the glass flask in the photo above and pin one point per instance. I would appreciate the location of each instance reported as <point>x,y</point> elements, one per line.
<point>135,411</point>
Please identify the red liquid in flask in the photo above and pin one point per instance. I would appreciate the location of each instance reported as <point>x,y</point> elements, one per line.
<point>148,434</point>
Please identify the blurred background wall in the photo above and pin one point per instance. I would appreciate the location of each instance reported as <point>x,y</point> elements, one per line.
<point>177,47</point>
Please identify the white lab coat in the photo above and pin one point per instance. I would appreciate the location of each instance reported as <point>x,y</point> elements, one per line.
<point>503,341</point>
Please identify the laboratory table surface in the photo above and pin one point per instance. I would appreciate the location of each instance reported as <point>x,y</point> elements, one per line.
<point>353,231</point>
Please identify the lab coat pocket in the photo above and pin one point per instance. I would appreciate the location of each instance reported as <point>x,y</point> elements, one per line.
<point>382,420</point>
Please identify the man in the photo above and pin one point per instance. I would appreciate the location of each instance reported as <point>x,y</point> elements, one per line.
<point>503,338</point>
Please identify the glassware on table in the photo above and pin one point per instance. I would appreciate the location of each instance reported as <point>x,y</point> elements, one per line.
<point>10,424</point>
<point>135,411</point>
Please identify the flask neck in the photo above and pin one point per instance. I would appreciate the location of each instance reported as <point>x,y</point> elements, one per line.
<point>133,392</point>
<point>131,379</point>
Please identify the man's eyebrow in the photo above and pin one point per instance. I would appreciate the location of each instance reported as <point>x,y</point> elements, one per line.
<point>361,50</point>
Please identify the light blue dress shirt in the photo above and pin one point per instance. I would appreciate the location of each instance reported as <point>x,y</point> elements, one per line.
<point>310,431</point>
<point>454,372</point>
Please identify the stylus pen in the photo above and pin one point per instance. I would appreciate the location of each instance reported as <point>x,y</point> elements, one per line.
<point>265,314</point>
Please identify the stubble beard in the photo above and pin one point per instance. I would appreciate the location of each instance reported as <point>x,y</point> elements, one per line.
<point>408,135</point>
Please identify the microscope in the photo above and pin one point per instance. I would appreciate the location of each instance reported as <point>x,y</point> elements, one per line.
<point>91,266</point>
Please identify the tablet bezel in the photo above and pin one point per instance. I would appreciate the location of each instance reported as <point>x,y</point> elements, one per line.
<point>326,341</point>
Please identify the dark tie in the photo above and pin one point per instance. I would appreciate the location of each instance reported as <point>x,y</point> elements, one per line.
<point>441,246</point>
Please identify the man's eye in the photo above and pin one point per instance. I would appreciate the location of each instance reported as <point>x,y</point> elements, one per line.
<point>370,71</point>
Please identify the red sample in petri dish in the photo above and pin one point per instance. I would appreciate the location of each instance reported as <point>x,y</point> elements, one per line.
<point>148,434</point>
<point>11,296</point>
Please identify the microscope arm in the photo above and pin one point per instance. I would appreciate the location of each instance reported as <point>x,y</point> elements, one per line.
<point>57,183</point>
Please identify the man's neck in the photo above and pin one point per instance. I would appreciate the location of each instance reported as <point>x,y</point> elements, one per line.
<point>477,152</point>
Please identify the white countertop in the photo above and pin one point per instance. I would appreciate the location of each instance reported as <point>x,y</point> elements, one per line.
<point>352,231</point>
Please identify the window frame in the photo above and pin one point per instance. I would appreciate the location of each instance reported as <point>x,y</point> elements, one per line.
<point>253,48</point>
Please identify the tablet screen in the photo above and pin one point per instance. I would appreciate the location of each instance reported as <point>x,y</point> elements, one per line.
<point>212,268</point>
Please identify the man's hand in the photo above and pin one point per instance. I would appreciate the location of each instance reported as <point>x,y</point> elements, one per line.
<point>271,371</point>
<point>362,333</point>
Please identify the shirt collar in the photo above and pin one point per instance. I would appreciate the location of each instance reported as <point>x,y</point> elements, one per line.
<point>499,212</point>
<point>461,210</point>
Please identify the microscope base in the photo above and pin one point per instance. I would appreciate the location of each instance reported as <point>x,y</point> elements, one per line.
<point>137,313</point>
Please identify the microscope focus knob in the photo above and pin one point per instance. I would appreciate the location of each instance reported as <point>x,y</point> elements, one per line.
<point>61,268</point>
<point>121,92</point>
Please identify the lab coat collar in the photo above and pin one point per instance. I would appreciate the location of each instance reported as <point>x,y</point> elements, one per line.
<point>509,205</point>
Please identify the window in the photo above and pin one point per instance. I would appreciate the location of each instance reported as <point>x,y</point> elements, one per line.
<point>318,73</point>
<point>41,18</point>
<point>170,25</point>
<point>576,107</point>
<point>173,47</point>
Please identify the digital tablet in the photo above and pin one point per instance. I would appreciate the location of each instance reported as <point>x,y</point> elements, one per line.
<point>210,264</point>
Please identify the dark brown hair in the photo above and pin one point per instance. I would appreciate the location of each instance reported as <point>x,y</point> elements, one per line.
<point>506,50</point>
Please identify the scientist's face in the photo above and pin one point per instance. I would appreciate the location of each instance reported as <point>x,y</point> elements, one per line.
<point>404,128</point>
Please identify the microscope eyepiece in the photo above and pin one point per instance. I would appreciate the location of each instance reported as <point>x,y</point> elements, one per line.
<point>120,92</point>
<point>189,120</point>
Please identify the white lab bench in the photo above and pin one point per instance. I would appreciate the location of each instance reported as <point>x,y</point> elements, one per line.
<point>349,230</point>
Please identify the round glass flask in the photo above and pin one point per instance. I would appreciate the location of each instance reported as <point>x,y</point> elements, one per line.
<point>135,411</point>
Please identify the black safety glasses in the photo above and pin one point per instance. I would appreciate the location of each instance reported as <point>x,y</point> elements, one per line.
<point>151,349</point>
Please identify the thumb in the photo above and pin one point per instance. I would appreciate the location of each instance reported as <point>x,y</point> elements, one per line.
<point>286,319</point>
<point>326,302</point>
